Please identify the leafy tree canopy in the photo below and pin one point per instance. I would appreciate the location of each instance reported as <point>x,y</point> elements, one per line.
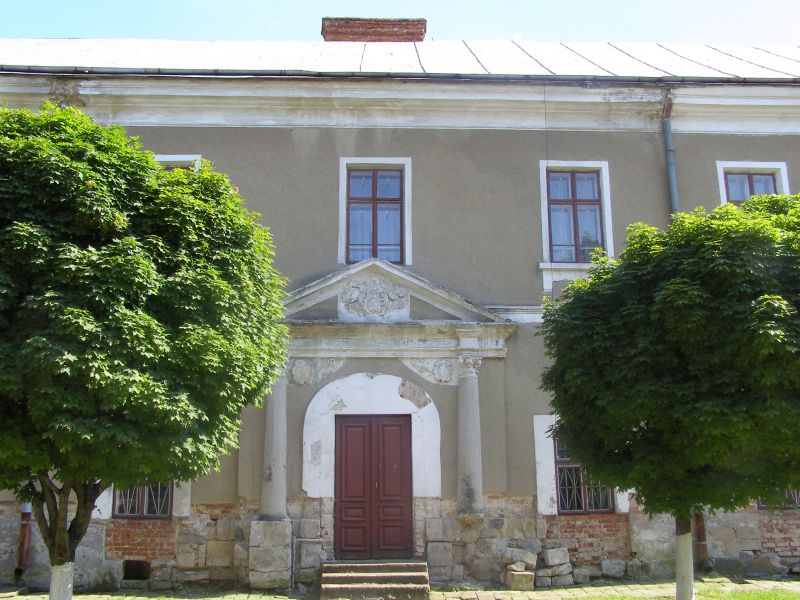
<point>676,368</point>
<point>138,310</point>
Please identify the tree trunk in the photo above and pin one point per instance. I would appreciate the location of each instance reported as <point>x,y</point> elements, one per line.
<point>684,565</point>
<point>51,507</point>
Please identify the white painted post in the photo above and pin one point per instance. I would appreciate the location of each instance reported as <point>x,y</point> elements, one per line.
<point>61,581</point>
<point>470,467</point>
<point>272,504</point>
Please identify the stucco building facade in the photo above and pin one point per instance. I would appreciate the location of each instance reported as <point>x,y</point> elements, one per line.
<point>424,197</point>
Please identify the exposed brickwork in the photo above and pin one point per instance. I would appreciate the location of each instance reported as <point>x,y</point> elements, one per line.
<point>140,539</point>
<point>590,538</point>
<point>781,532</point>
<point>373,30</point>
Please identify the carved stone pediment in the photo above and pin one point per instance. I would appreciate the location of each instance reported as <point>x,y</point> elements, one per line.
<point>374,299</point>
<point>375,291</point>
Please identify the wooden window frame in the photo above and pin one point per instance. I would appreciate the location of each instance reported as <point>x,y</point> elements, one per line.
<point>141,502</point>
<point>564,462</point>
<point>750,175</point>
<point>374,201</point>
<point>574,203</point>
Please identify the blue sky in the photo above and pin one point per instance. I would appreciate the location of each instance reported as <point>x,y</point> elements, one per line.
<point>721,21</point>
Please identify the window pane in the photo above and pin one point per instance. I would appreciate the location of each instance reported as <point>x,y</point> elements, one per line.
<point>569,489</point>
<point>589,230</point>
<point>389,184</point>
<point>360,184</point>
<point>357,253</point>
<point>127,501</point>
<point>598,497</point>
<point>586,185</point>
<point>738,187</point>
<point>157,499</point>
<point>561,450</point>
<point>360,224</point>
<point>390,253</point>
<point>389,224</point>
<point>563,242</point>
<point>763,184</point>
<point>560,186</point>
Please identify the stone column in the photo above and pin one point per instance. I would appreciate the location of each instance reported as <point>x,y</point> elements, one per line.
<point>270,547</point>
<point>470,467</point>
<point>272,505</point>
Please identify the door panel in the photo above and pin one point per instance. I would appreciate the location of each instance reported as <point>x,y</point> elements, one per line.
<point>373,504</point>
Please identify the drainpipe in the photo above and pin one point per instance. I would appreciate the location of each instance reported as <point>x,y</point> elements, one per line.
<point>701,545</point>
<point>24,539</point>
<point>669,147</point>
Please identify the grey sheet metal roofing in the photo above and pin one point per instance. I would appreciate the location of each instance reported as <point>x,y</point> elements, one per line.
<point>493,60</point>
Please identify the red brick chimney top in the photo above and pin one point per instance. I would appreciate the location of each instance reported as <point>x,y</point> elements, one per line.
<point>346,29</point>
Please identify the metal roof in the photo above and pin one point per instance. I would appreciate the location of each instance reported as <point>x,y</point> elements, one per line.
<point>431,59</point>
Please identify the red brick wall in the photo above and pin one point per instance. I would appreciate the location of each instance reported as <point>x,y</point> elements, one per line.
<point>373,30</point>
<point>780,532</point>
<point>591,538</point>
<point>140,539</point>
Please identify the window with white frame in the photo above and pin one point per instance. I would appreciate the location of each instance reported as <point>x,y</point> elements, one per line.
<point>561,487</point>
<point>375,209</point>
<point>576,217</point>
<point>738,180</point>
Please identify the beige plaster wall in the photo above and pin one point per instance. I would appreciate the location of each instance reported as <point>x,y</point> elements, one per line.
<point>219,487</point>
<point>696,156</point>
<point>523,369</point>
<point>486,181</point>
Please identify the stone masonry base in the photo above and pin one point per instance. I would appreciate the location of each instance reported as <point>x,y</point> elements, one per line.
<point>227,545</point>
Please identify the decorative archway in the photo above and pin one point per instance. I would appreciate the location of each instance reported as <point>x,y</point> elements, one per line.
<point>371,394</point>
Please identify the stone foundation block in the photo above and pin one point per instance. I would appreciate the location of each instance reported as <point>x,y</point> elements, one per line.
<point>522,582</point>
<point>309,529</point>
<point>271,533</point>
<point>585,574</point>
<point>305,575</point>
<point>440,573</point>
<point>310,555</point>
<point>563,580</point>
<point>269,559</point>
<point>543,581</point>
<point>270,580</point>
<point>517,567</point>
<point>614,569</point>
<point>440,554</point>
<point>458,572</point>
<point>556,556</point>
<point>219,554</point>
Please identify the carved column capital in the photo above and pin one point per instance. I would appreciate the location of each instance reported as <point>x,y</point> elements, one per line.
<point>469,364</point>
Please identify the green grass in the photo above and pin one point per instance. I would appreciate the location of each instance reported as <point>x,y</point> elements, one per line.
<point>713,595</point>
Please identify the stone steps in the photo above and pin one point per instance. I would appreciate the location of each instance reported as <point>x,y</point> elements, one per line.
<point>375,580</point>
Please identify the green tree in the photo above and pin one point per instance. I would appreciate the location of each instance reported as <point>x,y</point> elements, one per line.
<point>676,369</point>
<point>139,313</point>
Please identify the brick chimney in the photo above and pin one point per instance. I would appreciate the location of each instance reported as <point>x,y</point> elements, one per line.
<point>345,29</point>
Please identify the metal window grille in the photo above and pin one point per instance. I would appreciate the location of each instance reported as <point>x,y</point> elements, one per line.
<point>577,493</point>
<point>152,500</point>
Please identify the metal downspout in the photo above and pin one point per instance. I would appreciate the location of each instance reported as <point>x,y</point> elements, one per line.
<point>24,539</point>
<point>669,147</point>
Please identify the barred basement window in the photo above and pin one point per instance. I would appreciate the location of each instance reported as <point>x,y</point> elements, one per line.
<point>792,501</point>
<point>149,501</point>
<point>577,493</point>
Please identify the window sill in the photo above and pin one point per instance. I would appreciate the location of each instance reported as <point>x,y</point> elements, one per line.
<point>554,271</point>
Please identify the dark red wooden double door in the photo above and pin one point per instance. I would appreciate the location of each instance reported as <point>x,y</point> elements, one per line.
<point>372,509</point>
